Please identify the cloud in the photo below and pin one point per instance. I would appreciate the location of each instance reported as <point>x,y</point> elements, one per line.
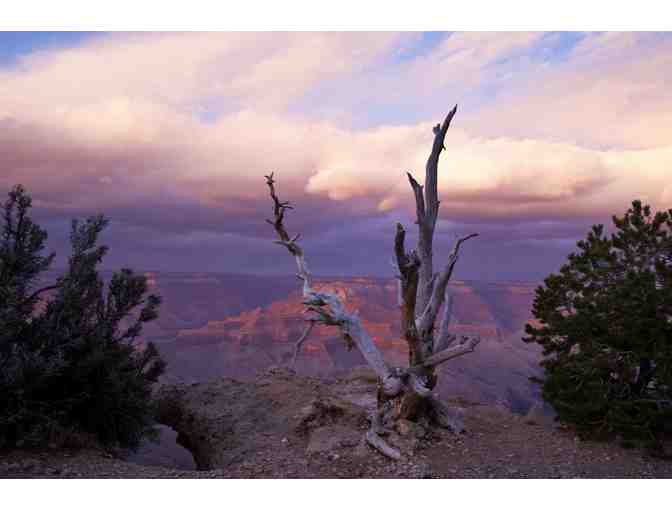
<point>417,82</point>
<point>173,133</point>
<point>491,177</point>
<point>611,91</point>
<point>188,70</point>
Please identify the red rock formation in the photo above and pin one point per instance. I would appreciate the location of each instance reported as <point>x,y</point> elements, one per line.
<point>242,342</point>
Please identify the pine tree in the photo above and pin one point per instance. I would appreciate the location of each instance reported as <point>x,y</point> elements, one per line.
<point>605,325</point>
<point>68,363</point>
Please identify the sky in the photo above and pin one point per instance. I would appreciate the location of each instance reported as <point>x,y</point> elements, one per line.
<point>170,135</point>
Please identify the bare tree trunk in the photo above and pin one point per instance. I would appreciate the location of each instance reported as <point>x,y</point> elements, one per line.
<point>403,392</point>
<point>427,210</point>
<point>431,287</point>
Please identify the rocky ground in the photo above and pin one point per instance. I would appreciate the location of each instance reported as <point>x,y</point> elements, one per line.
<point>283,426</point>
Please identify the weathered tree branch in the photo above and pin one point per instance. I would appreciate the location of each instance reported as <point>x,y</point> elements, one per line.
<point>431,169</point>
<point>444,339</point>
<point>425,322</point>
<point>304,336</point>
<point>327,307</point>
<point>329,310</point>
<point>279,209</point>
<point>373,437</point>
<point>419,199</point>
<point>408,264</point>
<point>430,206</point>
<point>468,345</point>
<point>400,292</point>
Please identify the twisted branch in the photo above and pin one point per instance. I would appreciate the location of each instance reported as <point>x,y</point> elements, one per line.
<point>301,339</point>
<point>327,307</point>
<point>425,322</point>
<point>468,345</point>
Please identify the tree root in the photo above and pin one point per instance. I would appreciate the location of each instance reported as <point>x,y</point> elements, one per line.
<point>373,436</point>
<point>381,445</point>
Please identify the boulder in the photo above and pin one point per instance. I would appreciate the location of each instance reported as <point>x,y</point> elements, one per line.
<point>227,421</point>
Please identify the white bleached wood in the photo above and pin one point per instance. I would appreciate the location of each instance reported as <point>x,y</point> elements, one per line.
<point>468,345</point>
<point>329,310</point>
<point>425,322</point>
<point>429,205</point>
<point>444,339</point>
<point>328,307</point>
<point>381,445</point>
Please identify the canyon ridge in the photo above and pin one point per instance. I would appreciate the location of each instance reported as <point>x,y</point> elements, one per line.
<point>229,325</point>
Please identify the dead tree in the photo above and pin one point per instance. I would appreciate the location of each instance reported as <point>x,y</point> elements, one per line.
<point>404,392</point>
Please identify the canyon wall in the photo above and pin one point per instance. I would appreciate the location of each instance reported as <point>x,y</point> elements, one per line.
<point>234,325</point>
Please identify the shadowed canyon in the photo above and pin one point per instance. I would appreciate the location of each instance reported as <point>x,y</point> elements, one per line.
<point>214,325</point>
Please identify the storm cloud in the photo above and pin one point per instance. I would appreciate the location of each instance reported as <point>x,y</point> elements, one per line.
<point>170,135</point>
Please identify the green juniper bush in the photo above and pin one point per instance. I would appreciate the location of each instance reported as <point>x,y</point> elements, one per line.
<point>68,363</point>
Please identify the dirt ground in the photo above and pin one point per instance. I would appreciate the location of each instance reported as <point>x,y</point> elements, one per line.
<point>285,440</point>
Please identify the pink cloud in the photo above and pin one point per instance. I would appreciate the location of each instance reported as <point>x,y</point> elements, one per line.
<point>117,123</point>
<point>611,91</point>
